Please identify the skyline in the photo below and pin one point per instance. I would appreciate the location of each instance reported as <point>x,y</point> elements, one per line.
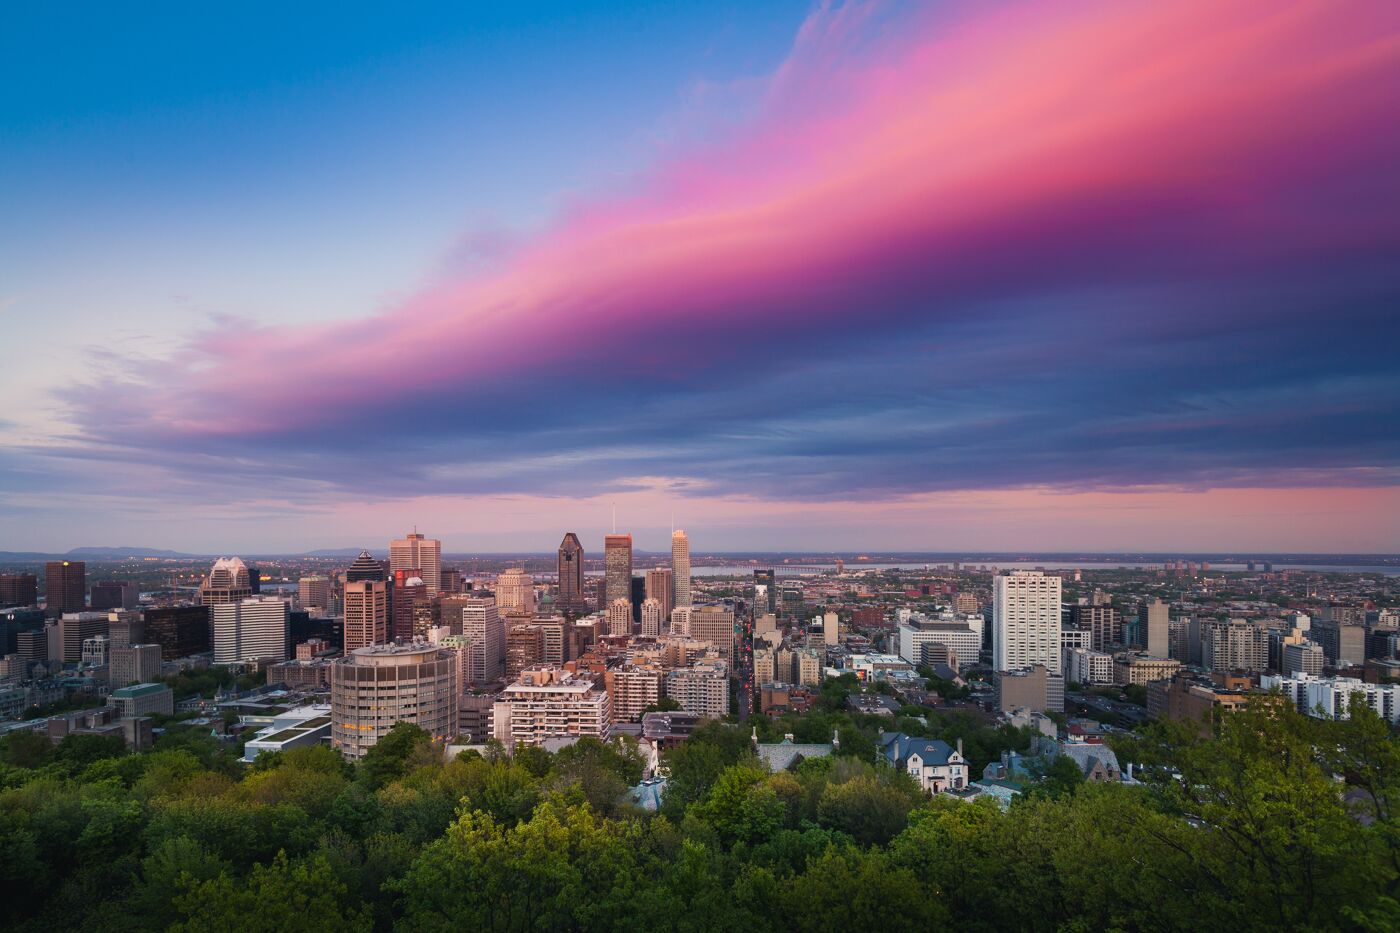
<point>860,276</point>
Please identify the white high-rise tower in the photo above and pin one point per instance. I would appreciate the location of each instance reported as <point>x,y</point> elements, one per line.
<point>1026,621</point>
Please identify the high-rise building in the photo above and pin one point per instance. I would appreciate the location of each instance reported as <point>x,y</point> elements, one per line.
<point>617,563</point>
<point>831,628</point>
<point>314,591</point>
<point>228,582</point>
<point>410,607</point>
<point>765,592</point>
<point>715,625</point>
<point>254,628</point>
<point>632,688</point>
<point>1026,621</point>
<point>375,687</point>
<point>1155,624</point>
<point>651,618</point>
<point>18,589</point>
<point>1103,623</point>
<point>180,631</point>
<point>659,586</point>
<point>65,587</point>
<point>480,621</point>
<point>620,617</point>
<point>134,664</point>
<point>524,648</point>
<point>366,567</point>
<point>1234,645</point>
<point>702,688</point>
<point>113,594</point>
<point>421,554</point>
<point>70,630</point>
<point>366,613</point>
<point>549,703</point>
<point>680,568</point>
<point>515,592</point>
<point>572,600</point>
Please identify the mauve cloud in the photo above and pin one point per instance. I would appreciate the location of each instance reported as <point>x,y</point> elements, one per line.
<point>1099,245</point>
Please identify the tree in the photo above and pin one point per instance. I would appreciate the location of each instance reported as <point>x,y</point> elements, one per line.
<point>1058,777</point>
<point>303,895</point>
<point>870,811</point>
<point>402,747</point>
<point>25,748</point>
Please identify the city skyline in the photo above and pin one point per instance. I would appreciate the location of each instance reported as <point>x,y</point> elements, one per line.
<point>1110,277</point>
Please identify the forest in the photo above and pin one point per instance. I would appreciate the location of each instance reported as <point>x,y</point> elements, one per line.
<point>1264,819</point>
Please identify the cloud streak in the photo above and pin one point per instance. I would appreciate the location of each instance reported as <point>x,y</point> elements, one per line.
<point>1090,247</point>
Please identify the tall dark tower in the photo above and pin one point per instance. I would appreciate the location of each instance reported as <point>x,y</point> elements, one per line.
<point>366,567</point>
<point>65,586</point>
<point>571,598</point>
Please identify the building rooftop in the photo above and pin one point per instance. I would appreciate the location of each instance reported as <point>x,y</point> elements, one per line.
<point>138,690</point>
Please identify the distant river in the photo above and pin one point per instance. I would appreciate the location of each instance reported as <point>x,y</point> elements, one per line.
<point>792,570</point>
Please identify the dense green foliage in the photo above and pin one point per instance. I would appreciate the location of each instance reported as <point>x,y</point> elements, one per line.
<point>1247,829</point>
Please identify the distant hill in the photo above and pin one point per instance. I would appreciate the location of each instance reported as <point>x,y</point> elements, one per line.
<point>343,552</point>
<point>123,551</point>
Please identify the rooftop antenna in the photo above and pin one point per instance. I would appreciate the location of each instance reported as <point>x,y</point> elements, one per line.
<point>614,505</point>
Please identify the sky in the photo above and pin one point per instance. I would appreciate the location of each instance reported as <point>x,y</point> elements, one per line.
<point>872,275</point>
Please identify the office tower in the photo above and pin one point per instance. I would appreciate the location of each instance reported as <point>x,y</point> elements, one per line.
<point>680,568</point>
<point>1026,621</point>
<point>515,592</point>
<point>134,664</point>
<point>1303,658</point>
<point>18,589</point>
<point>659,586</point>
<point>965,602</point>
<point>314,592</point>
<point>792,597</point>
<point>715,625</point>
<point>366,567</point>
<point>961,639</point>
<point>113,594</point>
<point>639,596</point>
<point>377,686</point>
<point>617,563</point>
<point>255,578</point>
<point>680,620</point>
<point>410,607</point>
<point>366,613</point>
<point>651,618</point>
<point>421,554</point>
<point>250,629</point>
<point>228,582</point>
<point>765,592</point>
<point>555,641</point>
<point>620,617</point>
<point>1155,627</point>
<point>126,627</point>
<point>65,587</point>
<point>69,631</point>
<point>547,703</point>
<point>451,580</point>
<point>1343,642</point>
<point>180,631</point>
<point>480,621</point>
<point>572,600</point>
<point>1103,623</point>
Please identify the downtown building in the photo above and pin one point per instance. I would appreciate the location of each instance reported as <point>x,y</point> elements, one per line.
<point>548,703</point>
<point>1332,697</point>
<point>252,629</point>
<point>617,570</point>
<point>366,612</point>
<point>421,555</point>
<point>65,587</point>
<point>572,600</point>
<point>1026,621</point>
<point>702,688</point>
<point>680,568</point>
<point>375,687</point>
<point>714,625</point>
<point>229,581</point>
<point>181,631</point>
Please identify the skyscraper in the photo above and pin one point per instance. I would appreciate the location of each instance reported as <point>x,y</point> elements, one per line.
<point>1155,625</point>
<point>652,614</point>
<point>114,594</point>
<point>372,688</point>
<point>65,587</point>
<point>228,582</point>
<point>515,592</point>
<point>421,554</point>
<point>571,598</point>
<point>617,561</point>
<point>1026,621</point>
<point>19,589</point>
<point>366,613</point>
<point>680,568</point>
<point>366,567</point>
<point>408,605</point>
<point>659,586</point>
<point>765,586</point>
<point>255,627</point>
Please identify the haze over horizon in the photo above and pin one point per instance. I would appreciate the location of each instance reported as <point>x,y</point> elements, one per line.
<point>880,275</point>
